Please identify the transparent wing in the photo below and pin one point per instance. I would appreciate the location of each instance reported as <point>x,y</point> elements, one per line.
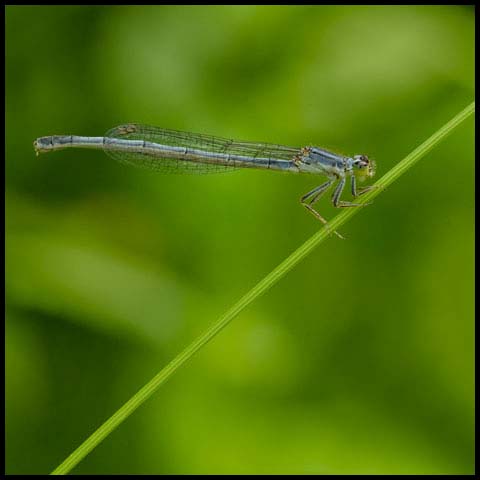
<point>209,143</point>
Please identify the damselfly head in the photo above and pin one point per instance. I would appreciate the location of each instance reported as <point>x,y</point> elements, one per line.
<point>365,166</point>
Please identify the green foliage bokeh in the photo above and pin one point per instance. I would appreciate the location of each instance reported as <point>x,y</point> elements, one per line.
<point>359,361</point>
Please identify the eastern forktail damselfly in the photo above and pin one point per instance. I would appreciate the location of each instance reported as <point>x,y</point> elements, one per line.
<point>172,151</point>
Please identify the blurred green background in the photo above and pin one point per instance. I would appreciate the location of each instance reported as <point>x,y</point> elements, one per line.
<point>359,361</point>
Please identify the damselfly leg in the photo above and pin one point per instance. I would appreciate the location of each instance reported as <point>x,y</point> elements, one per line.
<point>357,193</point>
<point>311,197</point>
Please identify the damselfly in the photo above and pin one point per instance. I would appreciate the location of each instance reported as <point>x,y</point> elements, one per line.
<point>182,152</point>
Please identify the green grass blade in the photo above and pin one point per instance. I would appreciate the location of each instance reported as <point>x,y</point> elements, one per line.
<point>274,276</point>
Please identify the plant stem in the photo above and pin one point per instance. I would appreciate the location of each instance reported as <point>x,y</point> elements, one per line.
<point>273,277</point>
